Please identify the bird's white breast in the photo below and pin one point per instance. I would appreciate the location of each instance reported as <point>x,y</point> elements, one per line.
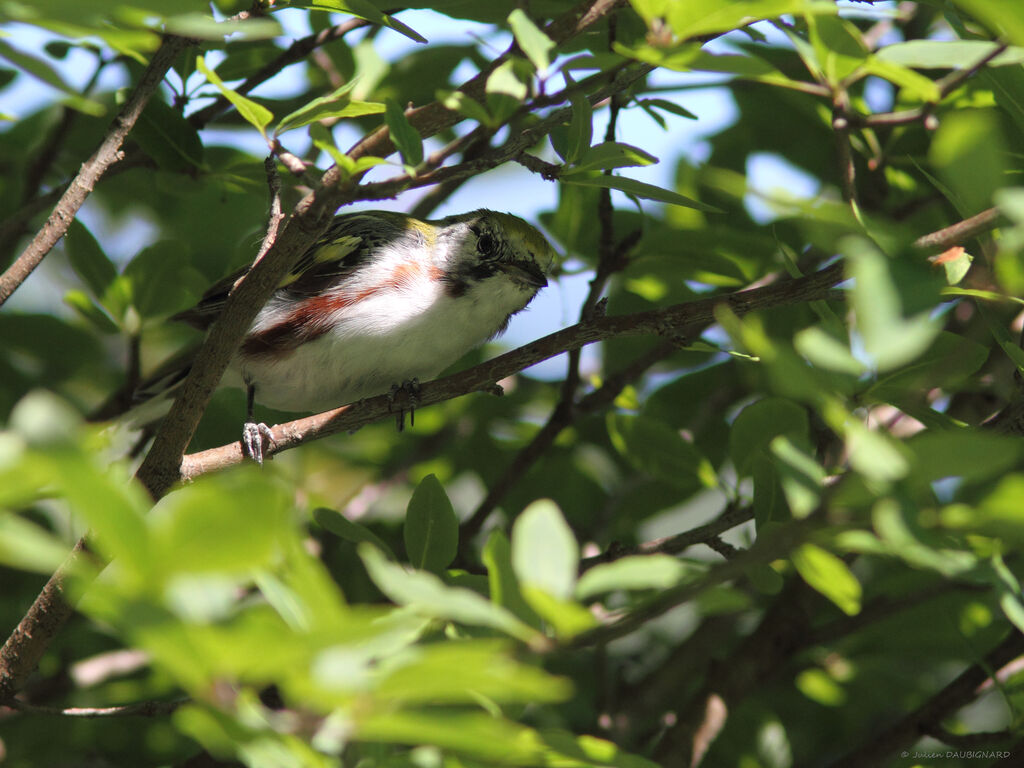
<point>412,329</point>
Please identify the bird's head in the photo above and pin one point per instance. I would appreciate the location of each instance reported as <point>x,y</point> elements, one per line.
<point>486,246</point>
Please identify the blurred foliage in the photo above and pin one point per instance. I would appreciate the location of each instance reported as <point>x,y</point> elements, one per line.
<point>330,609</point>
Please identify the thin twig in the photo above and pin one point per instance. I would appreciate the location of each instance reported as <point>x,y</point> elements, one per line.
<point>974,740</point>
<point>275,214</point>
<point>946,86</point>
<point>295,53</point>
<point>559,420</point>
<point>961,232</point>
<point>92,170</point>
<point>140,709</point>
<point>36,171</point>
<point>771,545</point>
<point>731,517</point>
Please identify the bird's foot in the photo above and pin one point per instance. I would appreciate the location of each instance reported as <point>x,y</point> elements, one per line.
<point>253,436</point>
<point>411,390</point>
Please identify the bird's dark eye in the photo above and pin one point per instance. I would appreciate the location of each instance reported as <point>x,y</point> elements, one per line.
<point>485,245</point>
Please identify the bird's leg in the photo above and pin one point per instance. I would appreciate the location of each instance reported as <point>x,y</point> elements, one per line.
<point>253,432</point>
<point>411,388</point>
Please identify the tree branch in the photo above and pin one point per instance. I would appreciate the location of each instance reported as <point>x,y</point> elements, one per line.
<point>483,377</point>
<point>141,709</point>
<point>92,170</point>
<point>295,53</point>
<point>960,692</point>
<point>961,232</point>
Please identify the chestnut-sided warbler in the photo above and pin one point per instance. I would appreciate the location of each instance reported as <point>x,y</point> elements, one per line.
<point>381,298</point>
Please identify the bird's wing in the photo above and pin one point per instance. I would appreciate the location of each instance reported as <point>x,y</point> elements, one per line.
<point>350,239</point>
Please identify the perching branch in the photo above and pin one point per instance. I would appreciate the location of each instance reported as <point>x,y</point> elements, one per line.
<point>92,170</point>
<point>483,377</point>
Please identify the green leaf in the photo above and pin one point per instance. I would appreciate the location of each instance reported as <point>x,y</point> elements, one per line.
<point>89,260</point>
<point>610,154</point>
<point>963,453</point>
<point>581,128</point>
<point>722,599</point>
<point>947,363</point>
<point>84,305</point>
<point>166,136</point>
<point>28,547</point>
<point>426,594</point>
<point>1002,336</point>
<point>838,46</point>
<point>567,617</point>
<point>759,424</point>
<point>825,351</point>
<point>890,339</point>
<point>41,70</point>
<point>640,189</point>
<point>667,106</point>
<point>970,155</point>
<point>462,672</point>
<point>161,281</point>
<point>873,454</point>
<point>896,529</point>
<point>567,749</point>
<point>342,527</point>
<point>532,41</point>
<point>820,687</point>
<point>637,572</point>
<point>505,91</point>
<point>947,54</point>
<point>431,530</point>
<point>406,138</point>
<point>255,114</point>
<point>474,733</point>
<point>913,85</point>
<point>655,448</point>
<point>229,523</point>
<point>501,578</point>
<point>111,508</point>
<point>202,26</point>
<point>544,550</point>
<point>829,575</point>
<point>323,140</point>
<point>999,513</point>
<point>800,474</point>
<point>956,263</point>
<point>335,105</point>
<point>465,105</point>
<point>689,18</point>
<point>361,9</point>
<point>1006,19</point>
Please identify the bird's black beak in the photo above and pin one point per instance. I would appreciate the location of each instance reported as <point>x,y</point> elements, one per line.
<point>526,272</point>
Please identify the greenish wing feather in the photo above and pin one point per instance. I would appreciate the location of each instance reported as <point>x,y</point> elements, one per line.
<point>349,240</point>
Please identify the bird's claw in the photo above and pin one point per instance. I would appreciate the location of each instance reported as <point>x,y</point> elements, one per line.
<point>253,435</point>
<point>411,388</point>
